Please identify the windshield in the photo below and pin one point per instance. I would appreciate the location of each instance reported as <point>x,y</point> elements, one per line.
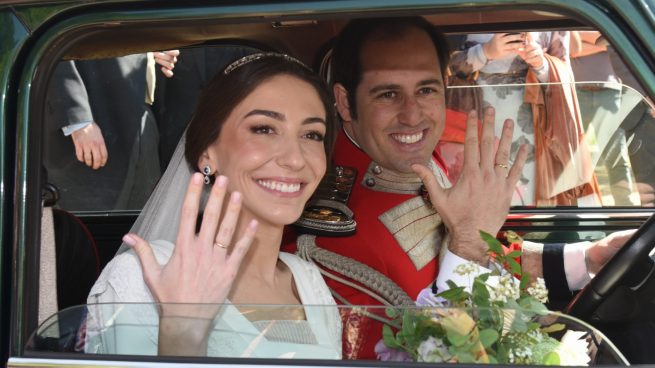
<point>586,140</point>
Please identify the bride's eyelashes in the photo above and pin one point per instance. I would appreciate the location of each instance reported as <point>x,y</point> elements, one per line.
<point>262,129</point>
<point>315,135</point>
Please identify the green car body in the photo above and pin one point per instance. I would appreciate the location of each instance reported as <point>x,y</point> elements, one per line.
<point>32,31</point>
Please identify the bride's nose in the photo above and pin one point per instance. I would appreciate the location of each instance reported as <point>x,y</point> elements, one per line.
<point>290,155</point>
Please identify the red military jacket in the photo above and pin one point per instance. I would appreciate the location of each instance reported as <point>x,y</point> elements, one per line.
<point>397,235</point>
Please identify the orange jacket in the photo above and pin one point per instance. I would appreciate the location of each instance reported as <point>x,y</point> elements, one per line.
<point>563,162</point>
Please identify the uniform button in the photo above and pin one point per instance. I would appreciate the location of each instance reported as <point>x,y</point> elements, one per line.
<point>377,170</point>
<point>370,182</point>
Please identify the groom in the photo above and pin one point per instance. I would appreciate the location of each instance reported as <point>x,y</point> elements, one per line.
<point>389,88</point>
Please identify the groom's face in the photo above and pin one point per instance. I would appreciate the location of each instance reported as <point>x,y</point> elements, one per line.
<point>400,100</point>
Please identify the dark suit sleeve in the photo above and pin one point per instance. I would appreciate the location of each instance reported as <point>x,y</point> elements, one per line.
<point>554,273</point>
<point>67,96</point>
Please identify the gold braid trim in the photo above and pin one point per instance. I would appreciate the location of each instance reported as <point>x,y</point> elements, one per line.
<point>376,284</point>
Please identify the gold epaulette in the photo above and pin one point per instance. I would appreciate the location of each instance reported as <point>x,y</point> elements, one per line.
<point>326,212</point>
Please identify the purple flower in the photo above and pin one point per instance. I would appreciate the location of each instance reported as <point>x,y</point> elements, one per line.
<point>426,299</point>
<point>386,353</point>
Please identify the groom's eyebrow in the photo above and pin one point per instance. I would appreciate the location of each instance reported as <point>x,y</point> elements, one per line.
<point>268,113</point>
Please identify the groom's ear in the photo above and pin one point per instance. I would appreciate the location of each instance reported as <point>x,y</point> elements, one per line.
<point>342,103</point>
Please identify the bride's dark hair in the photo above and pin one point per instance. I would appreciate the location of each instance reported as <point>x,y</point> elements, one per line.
<point>228,88</point>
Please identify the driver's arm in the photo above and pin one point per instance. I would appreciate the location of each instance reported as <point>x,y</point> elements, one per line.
<point>569,267</point>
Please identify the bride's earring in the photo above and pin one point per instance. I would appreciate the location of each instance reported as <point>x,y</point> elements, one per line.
<point>207,170</point>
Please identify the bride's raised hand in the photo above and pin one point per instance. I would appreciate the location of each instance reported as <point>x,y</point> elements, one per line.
<point>203,266</point>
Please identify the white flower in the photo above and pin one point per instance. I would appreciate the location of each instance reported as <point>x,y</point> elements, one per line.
<point>503,288</point>
<point>468,268</point>
<point>433,350</point>
<point>526,347</point>
<point>572,350</point>
<point>538,290</point>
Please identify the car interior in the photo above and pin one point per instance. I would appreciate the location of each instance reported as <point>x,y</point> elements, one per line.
<point>65,257</point>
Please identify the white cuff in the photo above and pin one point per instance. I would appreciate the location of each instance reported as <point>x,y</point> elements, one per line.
<point>449,262</point>
<point>542,73</point>
<point>575,265</point>
<point>476,57</point>
<point>72,128</point>
<point>575,268</point>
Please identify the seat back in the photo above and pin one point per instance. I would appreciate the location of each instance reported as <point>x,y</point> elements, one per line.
<point>78,262</point>
<point>47,267</point>
<point>69,260</point>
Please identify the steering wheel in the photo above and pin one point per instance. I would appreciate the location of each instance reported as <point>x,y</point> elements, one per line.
<point>631,266</point>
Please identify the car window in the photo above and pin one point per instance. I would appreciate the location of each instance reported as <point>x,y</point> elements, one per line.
<point>300,332</point>
<point>612,167</point>
<point>584,128</point>
<point>113,124</point>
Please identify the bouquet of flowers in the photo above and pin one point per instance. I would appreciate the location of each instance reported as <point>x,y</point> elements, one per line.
<point>499,318</point>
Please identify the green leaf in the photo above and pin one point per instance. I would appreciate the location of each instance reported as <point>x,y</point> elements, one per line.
<point>512,304</point>
<point>553,328</point>
<point>388,337</point>
<point>464,357</point>
<point>525,280</point>
<point>391,312</point>
<point>518,324</point>
<point>551,358</point>
<point>533,305</point>
<point>452,294</point>
<point>533,326</point>
<point>455,338</point>
<point>408,324</point>
<point>493,243</point>
<point>488,337</point>
<point>501,354</point>
<point>514,266</point>
<point>480,293</point>
<point>513,254</point>
<point>490,318</point>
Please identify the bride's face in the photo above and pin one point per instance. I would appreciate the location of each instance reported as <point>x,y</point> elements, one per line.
<point>271,149</point>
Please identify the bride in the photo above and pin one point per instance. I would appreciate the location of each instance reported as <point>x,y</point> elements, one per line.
<point>261,137</point>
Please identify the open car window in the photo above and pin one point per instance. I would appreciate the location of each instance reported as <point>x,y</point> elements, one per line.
<point>113,124</point>
<point>586,141</point>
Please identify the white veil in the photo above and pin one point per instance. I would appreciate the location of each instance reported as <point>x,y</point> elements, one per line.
<point>160,217</point>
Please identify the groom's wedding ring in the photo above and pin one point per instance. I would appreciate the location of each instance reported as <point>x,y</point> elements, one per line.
<point>506,167</point>
<point>220,245</point>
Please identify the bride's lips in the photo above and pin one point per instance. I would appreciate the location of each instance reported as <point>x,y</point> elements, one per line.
<point>285,187</point>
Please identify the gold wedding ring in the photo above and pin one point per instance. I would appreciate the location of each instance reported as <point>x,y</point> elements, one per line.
<point>506,167</point>
<point>220,245</point>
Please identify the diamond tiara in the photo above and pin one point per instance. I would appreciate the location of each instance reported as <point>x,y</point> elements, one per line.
<point>250,58</point>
